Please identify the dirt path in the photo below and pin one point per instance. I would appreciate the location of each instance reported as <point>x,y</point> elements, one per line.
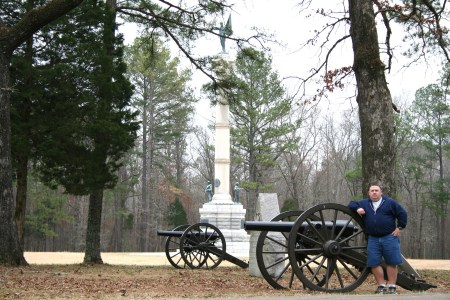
<point>159,259</point>
<point>112,258</point>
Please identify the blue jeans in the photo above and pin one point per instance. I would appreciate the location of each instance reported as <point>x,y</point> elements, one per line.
<point>387,246</point>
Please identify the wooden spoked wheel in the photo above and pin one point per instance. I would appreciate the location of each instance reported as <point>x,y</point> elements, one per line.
<point>272,255</point>
<point>203,245</point>
<point>327,248</point>
<point>173,249</point>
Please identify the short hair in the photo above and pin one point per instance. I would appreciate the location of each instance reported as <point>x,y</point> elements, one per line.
<point>376,183</point>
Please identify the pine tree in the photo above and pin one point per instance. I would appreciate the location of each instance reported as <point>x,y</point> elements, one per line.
<point>16,27</point>
<point>165,104</point>
<point>177,214</point>
<point>82,122</point>
<point>432,111</point>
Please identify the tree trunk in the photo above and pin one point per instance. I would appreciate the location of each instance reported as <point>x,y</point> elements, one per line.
<point>144,212</point>
<point>253,191</point>
<point>21,199</point>
<point>422,233</point>
<point>151,208</point>
<point>22,156</point>
<point>115,243</point>
<point>147,160</point>
<point>443,203</point>
<point>374,100</point>
<point>92,253</point>
<point>10,251</point>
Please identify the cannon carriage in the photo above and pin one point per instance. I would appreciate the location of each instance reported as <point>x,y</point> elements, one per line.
<point>201,245</point>
<point>322,248</point>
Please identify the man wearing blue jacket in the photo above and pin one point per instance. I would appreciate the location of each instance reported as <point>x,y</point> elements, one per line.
<point>383,219</point>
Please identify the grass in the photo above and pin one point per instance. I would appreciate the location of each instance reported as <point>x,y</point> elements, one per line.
<point>78,281</point>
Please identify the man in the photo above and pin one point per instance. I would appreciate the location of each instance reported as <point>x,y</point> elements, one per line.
<point>383,219</point>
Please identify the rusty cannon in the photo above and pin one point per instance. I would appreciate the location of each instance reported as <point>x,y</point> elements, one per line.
<point>201,245</point>
<point>323,248</point>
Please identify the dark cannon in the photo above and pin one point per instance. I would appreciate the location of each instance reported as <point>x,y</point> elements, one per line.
<point>322,248</point>
<point>201,245</point>
<point>287,226</point>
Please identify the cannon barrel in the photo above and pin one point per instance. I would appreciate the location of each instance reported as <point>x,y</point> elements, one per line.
<point>350,228</point>
<point>169,233</point>
<point>174,233</point>
<point>268,226</point>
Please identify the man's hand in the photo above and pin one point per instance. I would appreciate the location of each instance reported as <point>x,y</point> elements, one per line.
<point>361,211</point>
<point>396,232</point>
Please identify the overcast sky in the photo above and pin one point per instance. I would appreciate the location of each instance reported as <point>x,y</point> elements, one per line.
<point>282,18</point>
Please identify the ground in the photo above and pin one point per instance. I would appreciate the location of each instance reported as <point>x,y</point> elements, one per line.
<point>112,281</point>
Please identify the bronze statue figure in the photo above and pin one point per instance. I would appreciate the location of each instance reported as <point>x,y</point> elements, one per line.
<point>224,32</point>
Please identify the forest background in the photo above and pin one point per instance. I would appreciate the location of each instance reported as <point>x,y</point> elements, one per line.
<point>161,159</point>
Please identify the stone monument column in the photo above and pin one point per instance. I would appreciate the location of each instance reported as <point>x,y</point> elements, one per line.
<point>222,212</point>
<point>222,148</point>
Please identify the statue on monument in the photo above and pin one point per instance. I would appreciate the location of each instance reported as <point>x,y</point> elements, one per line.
<point>224,32</point>
<point>237,191</point>
<point>208,191</point>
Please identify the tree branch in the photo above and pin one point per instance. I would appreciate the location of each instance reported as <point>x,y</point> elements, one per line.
<point>387,25</point>
<point>35,19</point>
<point>439,31</point>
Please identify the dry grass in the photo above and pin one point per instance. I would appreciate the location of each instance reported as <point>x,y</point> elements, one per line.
<point>108,281</point>
<point>143,282</point>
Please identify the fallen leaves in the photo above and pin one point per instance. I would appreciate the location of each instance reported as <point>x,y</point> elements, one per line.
<point>136,282</point>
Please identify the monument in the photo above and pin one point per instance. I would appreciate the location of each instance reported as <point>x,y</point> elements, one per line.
<point>221,211</point>
<point>267,208</point>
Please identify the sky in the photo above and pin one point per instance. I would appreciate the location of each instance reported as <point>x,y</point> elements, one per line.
<point>282,18</point>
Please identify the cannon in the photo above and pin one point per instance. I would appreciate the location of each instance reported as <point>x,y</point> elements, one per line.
<point>323,248</point>
<point>201,245</point>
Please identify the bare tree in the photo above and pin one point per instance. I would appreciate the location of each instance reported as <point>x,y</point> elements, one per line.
<point>203,148</point>
<point>296,167</point>
<point>338,177</point>
<point>341,143</point>
<point>359,20</point>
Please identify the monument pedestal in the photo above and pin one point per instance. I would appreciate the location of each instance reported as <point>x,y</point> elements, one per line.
<point>228,217</point>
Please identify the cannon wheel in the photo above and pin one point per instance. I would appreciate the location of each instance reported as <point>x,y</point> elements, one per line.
<point>203,246</point>
<point>271,255</point>
<point>173,249</point>
<point>333,259</point>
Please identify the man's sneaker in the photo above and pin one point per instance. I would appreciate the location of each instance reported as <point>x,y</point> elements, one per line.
<point>392,290</point>
<point>381,290</point>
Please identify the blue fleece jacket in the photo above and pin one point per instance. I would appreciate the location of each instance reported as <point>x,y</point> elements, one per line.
<point>388,216</point>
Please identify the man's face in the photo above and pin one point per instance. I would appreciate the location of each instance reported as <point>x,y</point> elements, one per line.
<point>375,193</point>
